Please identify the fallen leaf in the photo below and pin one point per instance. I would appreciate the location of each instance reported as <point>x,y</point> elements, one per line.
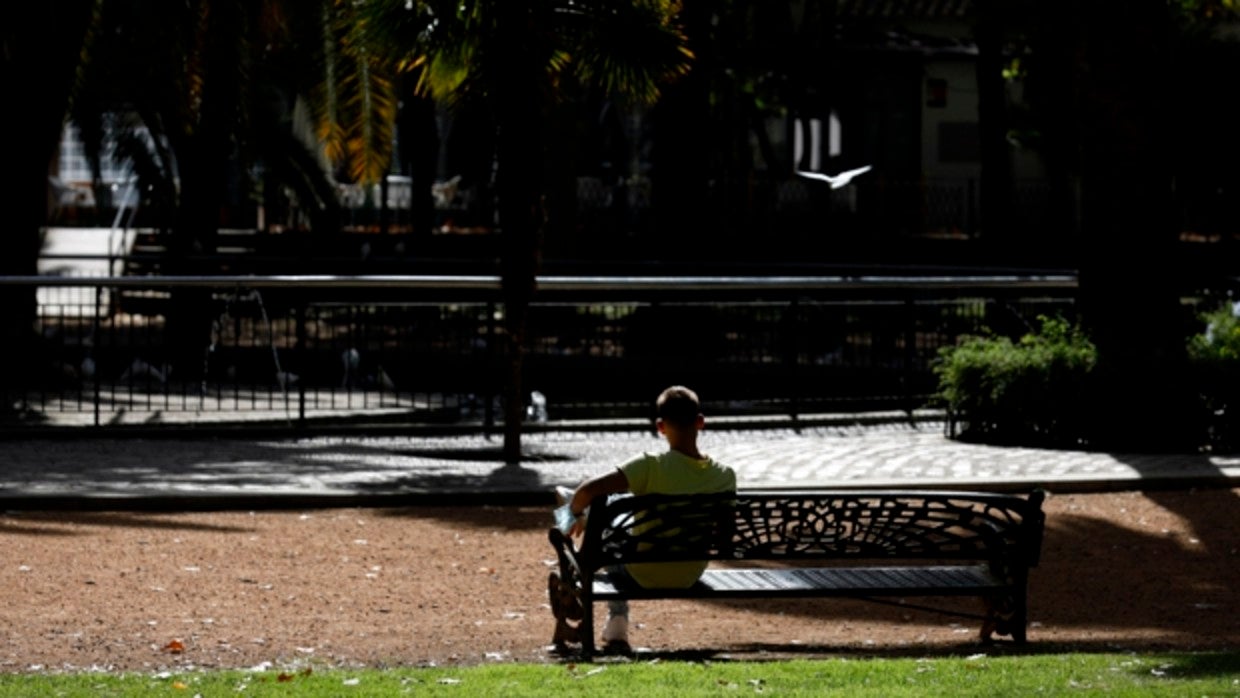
<point>175,647</point>
<point>284,678</point>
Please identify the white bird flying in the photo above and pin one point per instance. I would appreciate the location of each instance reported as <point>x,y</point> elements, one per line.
<point>836,181</point>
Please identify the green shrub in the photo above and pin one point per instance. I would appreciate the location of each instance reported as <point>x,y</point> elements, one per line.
<point>1034,390</point>
<point>1214,366</point>
<point>1220,340</point>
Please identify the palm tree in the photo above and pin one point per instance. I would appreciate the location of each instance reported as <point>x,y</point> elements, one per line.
<point>214,82</point>
<point>202,95</point>
<point>519,59</point>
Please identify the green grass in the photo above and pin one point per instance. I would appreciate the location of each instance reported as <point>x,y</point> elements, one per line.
<point>1172,674</point>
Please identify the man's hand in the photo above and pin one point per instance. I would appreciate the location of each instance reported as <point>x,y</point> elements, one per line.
<point>578,528</point>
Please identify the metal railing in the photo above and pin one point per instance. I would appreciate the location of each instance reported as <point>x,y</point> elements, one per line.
<point>879,206</point>
<point>416,349</point>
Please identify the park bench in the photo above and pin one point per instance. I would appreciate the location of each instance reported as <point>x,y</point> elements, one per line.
<point>878,545</point>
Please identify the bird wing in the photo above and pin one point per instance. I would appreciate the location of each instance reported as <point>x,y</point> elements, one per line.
<point>836,181</point>
<point>853,173</point>
<point>818,176</point>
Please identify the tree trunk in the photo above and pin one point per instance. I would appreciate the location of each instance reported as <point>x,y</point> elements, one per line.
<point>520,214</point>
<point>996,177</point>
<point>683,157</point>
<point>204,172</point>
<point>1129,295</point>
<point>419,151</point>
<point>519,150</point>
<point>41,47</point>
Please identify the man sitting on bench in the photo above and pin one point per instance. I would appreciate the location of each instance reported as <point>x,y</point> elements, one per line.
<point>681,469</point>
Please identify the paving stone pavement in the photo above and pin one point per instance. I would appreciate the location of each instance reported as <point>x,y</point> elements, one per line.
<point>279,471</point>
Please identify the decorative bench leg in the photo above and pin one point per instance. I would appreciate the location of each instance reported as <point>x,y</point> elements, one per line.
<point>586,629</point>
<point>565,607</point>
<point>1020,621</point>
<point>1005,615</point>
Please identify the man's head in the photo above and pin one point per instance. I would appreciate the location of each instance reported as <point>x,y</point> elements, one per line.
<point>679,406</point>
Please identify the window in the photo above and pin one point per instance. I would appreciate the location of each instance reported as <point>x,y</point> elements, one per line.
<point>807,141</point>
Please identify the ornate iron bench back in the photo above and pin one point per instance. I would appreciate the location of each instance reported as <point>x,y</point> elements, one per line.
<point>654,528</point>
<point>820,525</point>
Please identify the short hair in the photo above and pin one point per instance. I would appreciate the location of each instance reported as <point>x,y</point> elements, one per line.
<point>678,405</point>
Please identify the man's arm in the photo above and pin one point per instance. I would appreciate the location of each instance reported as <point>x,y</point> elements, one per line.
<point>613,482</point>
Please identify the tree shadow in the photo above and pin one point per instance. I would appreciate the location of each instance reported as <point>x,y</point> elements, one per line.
<point>1208,506</point>
<point>499,517</point>
<point>1173,470</point>
<point>43,523</point>
<point>121,472</point>
<point>484,454</point>
<point>1099,572</point>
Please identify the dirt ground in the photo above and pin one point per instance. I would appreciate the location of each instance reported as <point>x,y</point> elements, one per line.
<point>420,586</point>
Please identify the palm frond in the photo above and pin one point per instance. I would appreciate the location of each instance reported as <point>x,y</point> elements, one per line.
<point>445,73</point>
<point>436,40</point>
<point>90,42</point>
<point>196,66</point>
<point>353,101</point>
<point>149,163</point>
<point>372,107</point>
<point>630,49</point>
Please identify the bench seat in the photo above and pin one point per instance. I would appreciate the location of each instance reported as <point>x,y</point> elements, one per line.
<point>820,581</point>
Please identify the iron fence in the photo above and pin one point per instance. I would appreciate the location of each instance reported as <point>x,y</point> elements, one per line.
<point>412,349</point>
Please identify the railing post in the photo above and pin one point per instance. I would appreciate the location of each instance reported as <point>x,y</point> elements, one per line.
<point>971,212</point>
<point>910,350</point>
<point>793,342</point>
<point>300,324</point>
<point>94,330</point>
<point>488,410</point>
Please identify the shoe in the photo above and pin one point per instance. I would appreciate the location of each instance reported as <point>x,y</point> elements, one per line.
<point>564,602</point>
<point>617,648</point>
